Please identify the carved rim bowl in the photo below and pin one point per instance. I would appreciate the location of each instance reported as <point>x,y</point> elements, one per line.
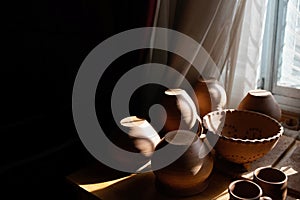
<point>241,136</point>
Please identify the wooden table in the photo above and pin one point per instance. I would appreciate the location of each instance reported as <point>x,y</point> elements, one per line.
<point>100,182</point>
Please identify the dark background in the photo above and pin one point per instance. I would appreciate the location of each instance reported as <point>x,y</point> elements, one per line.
<point>43,45</point>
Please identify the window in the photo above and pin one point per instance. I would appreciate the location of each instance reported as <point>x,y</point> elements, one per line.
<point>280,71</point>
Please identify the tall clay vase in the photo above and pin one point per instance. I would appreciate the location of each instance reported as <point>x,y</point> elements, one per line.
<point>211,96</point>
<point>190,173</point>
<point>180,109</point>
<point>261,101</point>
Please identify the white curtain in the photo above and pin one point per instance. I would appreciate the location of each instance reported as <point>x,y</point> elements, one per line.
<point>245,67</point>
<point>230,31</point>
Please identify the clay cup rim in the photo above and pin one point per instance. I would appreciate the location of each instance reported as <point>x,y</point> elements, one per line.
<point>279,175</point>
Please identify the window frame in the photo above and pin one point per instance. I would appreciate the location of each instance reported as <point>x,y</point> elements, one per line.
<point>288,98</point>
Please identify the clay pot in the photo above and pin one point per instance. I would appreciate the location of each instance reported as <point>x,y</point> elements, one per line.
<point>143,135</point>
<point>181,111</point>
<point>189,174</point>
<point>261,101</point>
<point>211,96</point>
<point>241,136</point>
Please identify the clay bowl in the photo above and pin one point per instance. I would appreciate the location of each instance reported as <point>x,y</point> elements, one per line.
<point>241,136</point>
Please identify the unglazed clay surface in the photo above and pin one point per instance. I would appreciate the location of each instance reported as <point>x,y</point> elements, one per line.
<point>243,136</point>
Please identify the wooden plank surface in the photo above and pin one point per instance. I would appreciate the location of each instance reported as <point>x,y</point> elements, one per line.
<point>104,183</point>
<point>142,186</point>
<point>290,164</point>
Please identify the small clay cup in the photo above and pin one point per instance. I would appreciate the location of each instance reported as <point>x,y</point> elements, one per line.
<point>272,181</point>
<point>245,190</point>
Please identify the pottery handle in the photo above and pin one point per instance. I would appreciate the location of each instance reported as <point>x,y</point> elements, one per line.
<point>265,198</point>
<point>184,97</point>
<point>191,103</point>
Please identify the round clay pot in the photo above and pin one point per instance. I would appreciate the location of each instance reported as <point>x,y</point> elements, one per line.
<point>261,101</point>
<point>189,174</point>
<point>211,96</point>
